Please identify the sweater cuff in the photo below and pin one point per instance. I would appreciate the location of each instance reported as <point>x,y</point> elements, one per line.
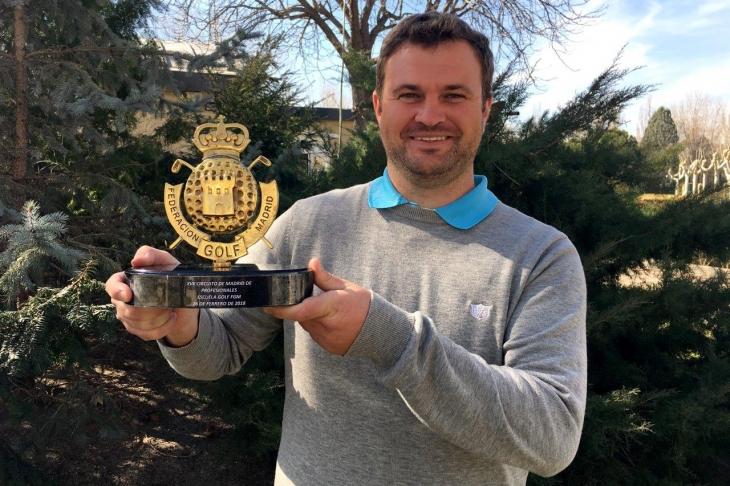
<point>194,348</point>
<point>384,334</point>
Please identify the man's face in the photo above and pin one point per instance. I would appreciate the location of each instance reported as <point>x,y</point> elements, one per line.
<point>431,113</point>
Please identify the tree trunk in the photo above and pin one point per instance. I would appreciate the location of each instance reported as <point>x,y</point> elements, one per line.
<point>20,165</point>
<point>361,106</point>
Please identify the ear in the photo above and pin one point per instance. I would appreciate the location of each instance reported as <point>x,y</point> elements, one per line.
<point>377,106</point>
<point>486,109</point>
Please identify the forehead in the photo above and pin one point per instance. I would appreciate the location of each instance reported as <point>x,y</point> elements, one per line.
<point>447,63</point>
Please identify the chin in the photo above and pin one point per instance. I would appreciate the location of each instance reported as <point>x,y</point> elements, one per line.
<point>429,177</point>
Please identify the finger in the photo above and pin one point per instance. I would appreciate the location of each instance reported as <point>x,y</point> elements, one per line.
<point>116,287</point>
<point>151,334</point>
<point>147,256</point>
<point>324,279</point>
<point>139,316</point>
<point>143,318</point>
<point>310,308</point>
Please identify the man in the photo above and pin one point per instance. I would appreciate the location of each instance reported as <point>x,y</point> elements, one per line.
<point>447,345</point>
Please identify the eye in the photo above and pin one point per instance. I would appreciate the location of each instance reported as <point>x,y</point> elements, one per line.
<point>409,96</point>
<point>454,97</point>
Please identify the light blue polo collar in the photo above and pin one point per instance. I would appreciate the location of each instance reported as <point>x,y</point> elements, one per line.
<point>464,213</point>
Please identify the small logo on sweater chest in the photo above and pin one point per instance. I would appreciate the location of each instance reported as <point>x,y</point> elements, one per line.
<point>480,312</point>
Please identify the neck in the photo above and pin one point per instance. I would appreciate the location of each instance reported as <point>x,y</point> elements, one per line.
<point>429,195</point>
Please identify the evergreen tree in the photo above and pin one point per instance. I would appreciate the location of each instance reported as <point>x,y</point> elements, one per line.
<point>661,150</point>
<point>76,81</point>
<point>361,160</point>
<point>660,133</point>
<point>658,354</point>
<point>88,76</point>
<point>265,103</point>
<point>280,127</point>
<point>30,248</point>
<point>53,328</point>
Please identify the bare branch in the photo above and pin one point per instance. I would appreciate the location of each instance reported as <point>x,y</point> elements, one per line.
<point>512,25</point>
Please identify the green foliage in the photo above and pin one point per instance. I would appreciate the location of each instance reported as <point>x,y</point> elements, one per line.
<point>269,106</point>
<point>663,351</point>
<point>361,160</point>
<point>266,104</point>
<point>661,132</point>
<point>657,164</point>
<point>361,76</point>
<point>360,69</point>
<point>658,355</point>
<point>87,78</point>
<point>54,326</point>
<point>127,17</point>
<point>660,147</point>
<point>31,247</point>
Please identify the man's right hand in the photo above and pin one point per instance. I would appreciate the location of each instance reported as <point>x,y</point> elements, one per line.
<point>177,326</point>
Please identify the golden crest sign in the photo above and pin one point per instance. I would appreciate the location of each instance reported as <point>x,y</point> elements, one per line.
<point>221,210</point>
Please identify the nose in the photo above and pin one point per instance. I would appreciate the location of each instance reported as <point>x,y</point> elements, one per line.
<point>430,112</point>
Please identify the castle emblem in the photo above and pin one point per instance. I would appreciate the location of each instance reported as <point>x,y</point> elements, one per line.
<point>221,209</point>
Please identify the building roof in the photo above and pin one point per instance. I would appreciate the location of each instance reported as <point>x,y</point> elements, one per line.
<point>198,82</point>
<point>322,113</point>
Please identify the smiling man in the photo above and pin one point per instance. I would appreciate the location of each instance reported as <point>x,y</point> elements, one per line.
<point>432,110</point>
<point>445,343</point>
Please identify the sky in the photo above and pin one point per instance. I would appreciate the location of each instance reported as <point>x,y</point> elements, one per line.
<point>680,47</point>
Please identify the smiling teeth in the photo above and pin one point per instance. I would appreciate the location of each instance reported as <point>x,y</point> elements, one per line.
<point>431,139</point>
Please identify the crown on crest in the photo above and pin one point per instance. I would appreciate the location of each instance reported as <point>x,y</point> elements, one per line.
<point>228,139</point>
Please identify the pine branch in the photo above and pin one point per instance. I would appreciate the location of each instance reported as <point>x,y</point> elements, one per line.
<point>16,277</point>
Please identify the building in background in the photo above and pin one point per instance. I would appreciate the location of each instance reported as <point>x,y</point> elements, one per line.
<point>196,88</point>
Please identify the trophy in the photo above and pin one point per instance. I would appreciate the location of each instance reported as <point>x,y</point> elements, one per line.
<point>221,210</point>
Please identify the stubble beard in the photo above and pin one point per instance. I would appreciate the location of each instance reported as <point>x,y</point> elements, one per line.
<point>424,176</point>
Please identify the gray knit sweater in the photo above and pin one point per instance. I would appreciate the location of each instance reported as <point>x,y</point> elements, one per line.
<point>470,367</point>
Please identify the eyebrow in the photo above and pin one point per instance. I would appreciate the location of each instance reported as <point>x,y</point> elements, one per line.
<point>406,87</point>
<point>458,87</point>
<point>450,87</point>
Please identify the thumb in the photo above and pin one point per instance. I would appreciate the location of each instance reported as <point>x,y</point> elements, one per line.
<point>147,256</point>
<point>323,279</point>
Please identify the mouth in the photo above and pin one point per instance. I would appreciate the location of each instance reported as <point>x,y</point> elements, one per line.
<point>431,139</point>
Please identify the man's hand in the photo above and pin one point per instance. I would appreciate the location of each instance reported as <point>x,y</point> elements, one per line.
<point>333,318</point>
<point>178,326</point>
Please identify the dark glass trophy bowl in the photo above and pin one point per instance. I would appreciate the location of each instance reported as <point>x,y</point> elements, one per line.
<point>221,211</point>
<point>242,285</point>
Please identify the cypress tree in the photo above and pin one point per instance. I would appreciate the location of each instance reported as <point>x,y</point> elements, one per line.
<point>660,149</point>
<point>661,132</point>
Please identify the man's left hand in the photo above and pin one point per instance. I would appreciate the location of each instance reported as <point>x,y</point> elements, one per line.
<point>334,317</point>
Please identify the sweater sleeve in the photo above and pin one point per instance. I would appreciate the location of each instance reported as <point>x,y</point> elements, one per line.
<point>225,341</point>
<point>528,412</point>
<point>228,337</point>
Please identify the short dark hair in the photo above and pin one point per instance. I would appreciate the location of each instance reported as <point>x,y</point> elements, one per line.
<point>430,29</point>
